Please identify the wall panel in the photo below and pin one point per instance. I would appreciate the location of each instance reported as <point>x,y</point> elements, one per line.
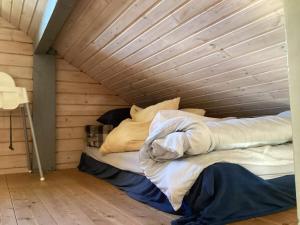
<point>16,60</point>
<point>80,101</point>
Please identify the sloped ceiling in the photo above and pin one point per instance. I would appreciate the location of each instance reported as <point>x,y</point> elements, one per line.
<point>23,14</point>
<point>229,57</point>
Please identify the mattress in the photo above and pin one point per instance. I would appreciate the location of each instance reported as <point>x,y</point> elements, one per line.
<point>214,188</point>
<point>128,161</point>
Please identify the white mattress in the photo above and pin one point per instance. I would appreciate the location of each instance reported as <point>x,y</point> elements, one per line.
<point>125,161</point>
<point>129,161</point>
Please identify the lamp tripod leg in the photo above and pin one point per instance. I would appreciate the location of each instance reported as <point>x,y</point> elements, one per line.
<point>35,147</point>
<point>29,158</point>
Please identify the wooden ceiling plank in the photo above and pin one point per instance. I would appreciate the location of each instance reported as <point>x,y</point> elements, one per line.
<point>260,42</point>
<point>251,113</point>
<point>240,91</point>
<point>96,26</point>
<point>169,80</point>
<point>166,25</point>
<point>251,104</point>
<point>249,30</point>
<point>272,76</point>
<point>6,9</point>
<point>62,64</point>
<point>280,94</point>
<point>252,42</point>
<point>284,103</point>
<point>37,17</point>
<point>27,14</point>
<point>190,27</point>
<point>136,12</point>
<point>243,48</point>
<point>231,83</point>
<point>141,25</point>
<point>277,84</point>
<point>76,24</point>
<point>16,12</point>
<point>256,56</point>
<point>245,15</point>
<point>252,70</point>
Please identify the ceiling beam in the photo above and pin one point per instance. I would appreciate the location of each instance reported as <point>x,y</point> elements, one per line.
<point>54,17</point>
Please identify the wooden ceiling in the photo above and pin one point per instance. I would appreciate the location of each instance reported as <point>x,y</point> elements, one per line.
<point>23,14</point>
<point>229,56</point>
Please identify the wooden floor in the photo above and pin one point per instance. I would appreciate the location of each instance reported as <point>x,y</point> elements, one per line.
<point>70,197</point>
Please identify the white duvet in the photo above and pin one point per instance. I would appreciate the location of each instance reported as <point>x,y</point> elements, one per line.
<point>175,136</point>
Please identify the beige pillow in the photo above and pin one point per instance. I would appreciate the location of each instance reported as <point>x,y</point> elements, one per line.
<point>200,112</point>
<point>134,110</point>
<point>128,136</point>
<point>147,114</point>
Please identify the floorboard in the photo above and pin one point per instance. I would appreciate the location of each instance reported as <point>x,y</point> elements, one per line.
<point>69,197</point>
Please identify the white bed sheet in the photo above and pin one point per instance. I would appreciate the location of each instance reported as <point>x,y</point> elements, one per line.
<point>129,161</point>
<point>125,161</point>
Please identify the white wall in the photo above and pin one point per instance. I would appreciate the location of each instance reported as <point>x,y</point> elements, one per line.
<point>292,11</point>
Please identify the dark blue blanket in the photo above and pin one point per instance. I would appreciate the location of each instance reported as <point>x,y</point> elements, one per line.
<point>223,193</point>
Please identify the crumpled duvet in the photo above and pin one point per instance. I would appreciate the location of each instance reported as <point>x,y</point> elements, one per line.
<point>175,136</point>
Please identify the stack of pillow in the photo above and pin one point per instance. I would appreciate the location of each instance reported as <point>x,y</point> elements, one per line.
<point>130,134</point>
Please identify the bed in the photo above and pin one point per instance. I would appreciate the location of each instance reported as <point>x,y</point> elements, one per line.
<point>208,171</point>
<point>244,194</point>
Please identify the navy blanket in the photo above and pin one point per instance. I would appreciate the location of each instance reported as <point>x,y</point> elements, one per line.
<point>223,193</point>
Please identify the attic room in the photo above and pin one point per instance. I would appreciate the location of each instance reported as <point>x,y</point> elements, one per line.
<point>148,112</point>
